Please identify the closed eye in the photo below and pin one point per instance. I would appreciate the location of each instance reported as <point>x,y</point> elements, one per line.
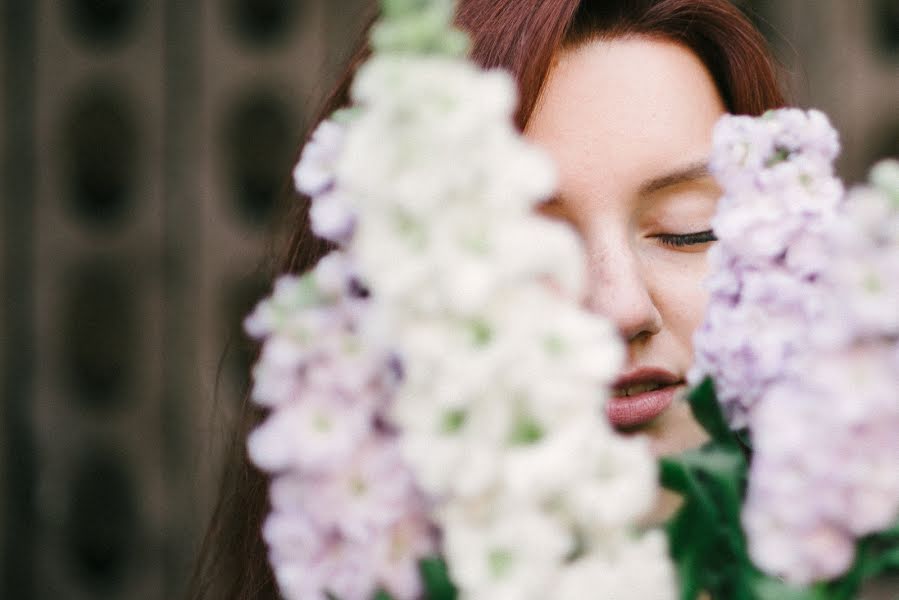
<point>679,240</point>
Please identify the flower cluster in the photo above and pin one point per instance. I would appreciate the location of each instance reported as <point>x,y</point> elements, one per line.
<point>505,377</point>
<point>780,198</point>
<point>802,337</point>
<point>347,517</point>
<point>828,435</point>
<point>438,362</point>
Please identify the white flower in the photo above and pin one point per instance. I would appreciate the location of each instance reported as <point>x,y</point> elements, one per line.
<point>275,375</point>
<point>314,173</point>
<point>617,488</point>
<point>312,435</point>
<point>332,217</point>
<point>430,192</point>
<point>452,139</point>
<point>333,274</point>
<point>511,554</point>
<point>635,570</point>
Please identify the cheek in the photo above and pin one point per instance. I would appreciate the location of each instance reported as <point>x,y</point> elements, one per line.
<point>677,287</point>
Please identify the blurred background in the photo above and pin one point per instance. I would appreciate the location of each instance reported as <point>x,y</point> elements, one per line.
<point>144,147</point>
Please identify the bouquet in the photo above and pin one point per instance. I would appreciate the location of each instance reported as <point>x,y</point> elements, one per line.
<point>435,398</point>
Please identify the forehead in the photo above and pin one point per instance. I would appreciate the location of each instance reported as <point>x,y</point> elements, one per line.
<point>624,109</point>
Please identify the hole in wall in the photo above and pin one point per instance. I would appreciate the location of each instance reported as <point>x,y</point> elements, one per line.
<point>102,519</point>
<point>99,157</point>
<point>99,335</point>
<point>102,23</point>
<point>259,146</point>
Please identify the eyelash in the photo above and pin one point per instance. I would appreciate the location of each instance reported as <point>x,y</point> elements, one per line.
<point>686,239</point>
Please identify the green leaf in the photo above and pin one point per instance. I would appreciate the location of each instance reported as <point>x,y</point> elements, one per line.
<point>705,536</point>
<point>887,560</point>
<point>711,476</point>
<point>436,580</point>
<point>707,412</point>
<point>769,588</point>
<point>892,532</point>
<point>382,595</point>
<point>875,555</point>
<point>689,533</point>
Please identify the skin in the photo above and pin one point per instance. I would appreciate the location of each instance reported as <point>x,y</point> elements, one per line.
<point>628,122</point>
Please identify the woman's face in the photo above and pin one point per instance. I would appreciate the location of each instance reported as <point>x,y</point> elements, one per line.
<point>628,122</point>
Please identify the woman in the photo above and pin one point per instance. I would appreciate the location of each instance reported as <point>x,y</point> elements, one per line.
<point>622,94</point>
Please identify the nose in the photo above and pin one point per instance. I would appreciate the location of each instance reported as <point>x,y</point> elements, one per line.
<point>617,288</point>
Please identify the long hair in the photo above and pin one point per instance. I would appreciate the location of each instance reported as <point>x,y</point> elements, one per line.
<point>522,38</point>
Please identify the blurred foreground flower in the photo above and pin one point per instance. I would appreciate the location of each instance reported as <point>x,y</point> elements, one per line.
<point>829,434</point>
<point>773,228</point>
<point>801,338</point>
<point>436,370</point>
<point>347,517</point>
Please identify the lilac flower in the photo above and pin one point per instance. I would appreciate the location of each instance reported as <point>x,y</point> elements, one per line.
<point>801,337</point>
<point>346,570</point>
<point>837,458</point>
<point>311,556</point>
<point>751,153</point>
<point>748,342</point>
<point>779,208</point>
<point>367,494</point>
<point>347,517</point>
<point>824,464</point>
<point>312,435</point>
<point>314,174</point>
<point>332,218</point>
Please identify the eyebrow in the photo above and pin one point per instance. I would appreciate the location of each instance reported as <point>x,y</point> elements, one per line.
<point>689,172</point>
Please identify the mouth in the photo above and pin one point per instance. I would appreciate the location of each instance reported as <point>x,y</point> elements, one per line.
<point>640,396</point>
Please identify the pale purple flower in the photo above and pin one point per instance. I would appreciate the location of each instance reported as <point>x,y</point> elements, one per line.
<point>309,563</point>
<point>347,517</point>
<point>314,174</point>
<point>350,532</point>
<point>773,225</point>
<point>824,471</point>
<point>334,274</point>
<point>397,553</point>
<point>275,374</point>
<point>342,569</point>
<point>332,217</point>
<point>749,153</point>
<point>312,435</point>
<point>358,498</point>
<point>801,339</point>
<point>747,342</point>
<point>866,263</point>
<point>293,535</point>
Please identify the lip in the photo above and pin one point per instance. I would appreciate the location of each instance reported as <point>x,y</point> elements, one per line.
<point>631,411</point>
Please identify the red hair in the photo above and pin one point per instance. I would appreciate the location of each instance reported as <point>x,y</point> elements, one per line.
<point>524,42</point>
<point>522,38</point>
